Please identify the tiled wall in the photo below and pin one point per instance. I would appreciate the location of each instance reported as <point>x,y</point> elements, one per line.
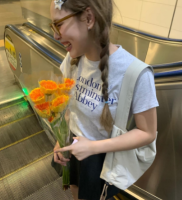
<point>152,16</point>
<point>176,31</point>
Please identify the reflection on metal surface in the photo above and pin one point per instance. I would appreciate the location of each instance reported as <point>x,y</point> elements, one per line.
<point>164,52</point>
<point>141,193</point>
<point>114,35</point>
<point>52,45</point>
<point>39,14</point>
<point>168,79</point>
<point>133,44</point>
<point>152,50</point>
<point>10,94</point>
<point>164,178</point>
<point>134,195</point>
<point>147,48</point>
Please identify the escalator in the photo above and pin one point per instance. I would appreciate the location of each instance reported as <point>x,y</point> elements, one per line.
<point>26,154</point>
<point>37,51</point>
<point>26,149</point>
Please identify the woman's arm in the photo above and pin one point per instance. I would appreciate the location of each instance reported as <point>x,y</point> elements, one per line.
<point>145,133</point>
<point>146,123</point>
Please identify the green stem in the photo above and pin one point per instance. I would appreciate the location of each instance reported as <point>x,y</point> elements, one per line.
<point>61,130</point>
<point>66,177</point>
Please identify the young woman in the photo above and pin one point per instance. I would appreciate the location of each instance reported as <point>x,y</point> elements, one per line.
<point>83,27</point>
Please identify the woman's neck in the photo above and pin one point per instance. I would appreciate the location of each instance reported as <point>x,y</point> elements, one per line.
<point>94,51</point>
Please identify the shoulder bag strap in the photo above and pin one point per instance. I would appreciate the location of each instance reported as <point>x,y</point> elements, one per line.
<point>126,93</point>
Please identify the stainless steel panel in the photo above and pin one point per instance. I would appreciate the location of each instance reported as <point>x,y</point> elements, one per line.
<point>34,65</point>
<point>22,48</point>
<point>132,43</point>
<point>37,12</point>
<point>114,35</point>
<point>58,50</point>
<point>9,90</point>
<point>141,194</point>
<point>161,52</point>
<point>164,178</point>
<point>168,79</point>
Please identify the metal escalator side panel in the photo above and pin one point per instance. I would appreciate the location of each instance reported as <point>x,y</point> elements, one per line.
<point>137,46</point>
<point>44,39</point>
<point>42,32</point>
<point>56,60</point>
<point>134,31</point>
<point>164,52</point>
<point>164,177</point>
<point>159,50</point>
<point>34,62</point>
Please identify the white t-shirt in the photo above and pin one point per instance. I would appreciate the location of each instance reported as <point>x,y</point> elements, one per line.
<point>87,103</point>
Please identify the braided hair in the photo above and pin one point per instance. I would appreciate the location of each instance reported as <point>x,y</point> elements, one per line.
<point>103,11</point>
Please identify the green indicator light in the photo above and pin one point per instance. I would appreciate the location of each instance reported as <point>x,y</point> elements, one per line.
<point>25,91</point>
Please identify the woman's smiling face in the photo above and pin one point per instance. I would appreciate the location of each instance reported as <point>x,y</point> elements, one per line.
<point>74,31</point>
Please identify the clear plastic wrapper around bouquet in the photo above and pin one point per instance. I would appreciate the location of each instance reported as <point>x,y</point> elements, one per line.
<point>51,101</point>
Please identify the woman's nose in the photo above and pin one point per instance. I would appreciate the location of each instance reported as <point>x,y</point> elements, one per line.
<point>57,36</point>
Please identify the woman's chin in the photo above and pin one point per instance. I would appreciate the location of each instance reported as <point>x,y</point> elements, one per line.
<point>74,54</point>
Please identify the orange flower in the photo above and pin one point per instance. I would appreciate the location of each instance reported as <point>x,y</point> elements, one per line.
<point>37,96</point>
<point>66,86</point>
<point>60,103</point>
<point>43,109</point>
<point>48,87</point>
<point>69,82</point>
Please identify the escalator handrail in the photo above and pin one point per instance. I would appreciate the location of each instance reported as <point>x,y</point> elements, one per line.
<point>36,45</point>
<point>166,74</point>
<point>147,34</point>
<point>175,64</point>
<point>42,32</point>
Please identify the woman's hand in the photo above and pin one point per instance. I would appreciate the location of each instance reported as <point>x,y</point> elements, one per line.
<point>81,150</point>
<point>58,157</point>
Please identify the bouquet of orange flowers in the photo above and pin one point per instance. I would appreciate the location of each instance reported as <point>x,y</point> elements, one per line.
<point>51,101</point>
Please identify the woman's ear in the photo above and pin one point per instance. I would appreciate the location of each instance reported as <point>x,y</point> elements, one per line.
<point>90,18</point>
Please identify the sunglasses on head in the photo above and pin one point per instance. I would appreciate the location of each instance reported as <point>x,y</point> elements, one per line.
<point>54,26</point>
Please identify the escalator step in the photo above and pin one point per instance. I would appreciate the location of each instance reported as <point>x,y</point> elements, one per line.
<point>15,112</point>
<point>23,153</point>
<point>9,104</point>
<point>19,130</point>
<point>27,181</point>
<point>52,191</point>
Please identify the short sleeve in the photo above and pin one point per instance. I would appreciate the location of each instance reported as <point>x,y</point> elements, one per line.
<point>145,93</point>
<point>65,65</point>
